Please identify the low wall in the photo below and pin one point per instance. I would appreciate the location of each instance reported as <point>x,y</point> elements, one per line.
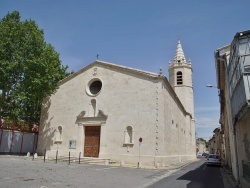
<point>17,142</point>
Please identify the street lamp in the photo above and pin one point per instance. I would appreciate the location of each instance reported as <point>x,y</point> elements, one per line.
<point>208,85</point>
<point>211,86</point>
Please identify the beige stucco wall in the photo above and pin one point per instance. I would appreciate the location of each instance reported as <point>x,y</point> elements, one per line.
<point>128,99</point>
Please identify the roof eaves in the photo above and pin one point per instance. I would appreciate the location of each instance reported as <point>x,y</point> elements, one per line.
<point>145,73</point>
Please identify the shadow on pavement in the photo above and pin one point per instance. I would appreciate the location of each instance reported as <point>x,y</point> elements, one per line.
<point>204,177</point>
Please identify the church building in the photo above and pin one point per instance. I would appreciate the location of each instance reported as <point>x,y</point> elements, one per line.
<point>123,114</point>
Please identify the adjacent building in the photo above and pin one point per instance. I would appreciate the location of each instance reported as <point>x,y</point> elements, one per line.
<point>219,142</point>
<point>211,145</point>
<point>233,74</point>
<point>200,146</point>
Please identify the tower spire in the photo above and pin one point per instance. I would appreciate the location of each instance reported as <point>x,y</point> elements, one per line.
<point>179,55</point>
<point>181,79</point>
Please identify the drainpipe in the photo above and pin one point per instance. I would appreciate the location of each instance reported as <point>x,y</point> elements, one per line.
<point>236,152</point>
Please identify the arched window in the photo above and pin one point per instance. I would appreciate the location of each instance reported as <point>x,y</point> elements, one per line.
<point>179,77</point>
<point>128,135</point>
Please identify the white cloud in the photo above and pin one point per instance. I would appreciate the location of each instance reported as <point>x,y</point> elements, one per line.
<point>206,120</point>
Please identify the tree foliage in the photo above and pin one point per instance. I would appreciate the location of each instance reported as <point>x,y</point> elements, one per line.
<point>30,68</point>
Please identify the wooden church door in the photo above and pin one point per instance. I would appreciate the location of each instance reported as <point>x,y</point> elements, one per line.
<point>92,141</point>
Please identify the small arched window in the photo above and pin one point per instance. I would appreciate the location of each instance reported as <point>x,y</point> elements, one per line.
<point>128,135</point>
<point>179,78</point>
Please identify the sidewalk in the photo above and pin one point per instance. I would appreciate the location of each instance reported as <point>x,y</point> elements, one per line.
<point>179,165</point>
<point>228,178</point>
<point>170,167</point>
<point>175,166</point>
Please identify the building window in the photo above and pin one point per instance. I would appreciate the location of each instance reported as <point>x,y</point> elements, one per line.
<point>129,135</point>
<point>94,87</point>
<point>179,77</point>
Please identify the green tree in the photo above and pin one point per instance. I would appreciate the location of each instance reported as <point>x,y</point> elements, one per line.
<point>30,68</point>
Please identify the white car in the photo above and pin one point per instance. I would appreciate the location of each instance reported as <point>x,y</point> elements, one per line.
<point>213,159</point>
<point>198,155</point>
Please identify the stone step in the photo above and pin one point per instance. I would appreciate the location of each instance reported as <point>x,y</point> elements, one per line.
<point>86,160</point>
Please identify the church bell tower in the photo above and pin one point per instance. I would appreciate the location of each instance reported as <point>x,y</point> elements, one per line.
<point>181,79</point>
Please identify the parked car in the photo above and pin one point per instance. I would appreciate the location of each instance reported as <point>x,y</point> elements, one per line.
<point>213,159</point>
<point>198,155</point>
<point>205,154</point>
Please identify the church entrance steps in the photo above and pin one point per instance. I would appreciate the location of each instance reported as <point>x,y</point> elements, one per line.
<point>85,160</point>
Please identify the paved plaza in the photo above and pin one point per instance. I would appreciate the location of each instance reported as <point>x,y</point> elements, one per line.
<point>23,172</point>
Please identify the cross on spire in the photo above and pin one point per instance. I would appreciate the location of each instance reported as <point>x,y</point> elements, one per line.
<point>97,55</point>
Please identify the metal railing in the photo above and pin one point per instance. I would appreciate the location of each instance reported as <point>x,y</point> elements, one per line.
<point>78,159</point>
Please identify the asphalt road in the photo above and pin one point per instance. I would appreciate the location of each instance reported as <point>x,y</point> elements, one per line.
<point>195,175</point>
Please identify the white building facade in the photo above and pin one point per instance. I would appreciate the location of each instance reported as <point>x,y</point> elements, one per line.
<point>104,109</point>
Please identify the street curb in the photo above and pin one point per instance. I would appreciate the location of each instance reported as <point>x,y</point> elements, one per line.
<point>181,166</point>
<point>158,178</point>
<point>169,172</point>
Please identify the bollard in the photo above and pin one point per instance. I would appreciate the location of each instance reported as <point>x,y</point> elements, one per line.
<point>106,162</point>
<point>56,155</point>
<point>122,163</point>
<point>79,157</point>
<point>44,155</point>
<point>69,157</point>
<point>157,165</point>
<point>139,165</point>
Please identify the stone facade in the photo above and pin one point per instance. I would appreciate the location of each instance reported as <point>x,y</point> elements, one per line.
<point>129,104</point>
<point>219,148</point>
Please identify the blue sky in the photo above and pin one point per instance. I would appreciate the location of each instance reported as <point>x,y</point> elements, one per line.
<point>142,34</point>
